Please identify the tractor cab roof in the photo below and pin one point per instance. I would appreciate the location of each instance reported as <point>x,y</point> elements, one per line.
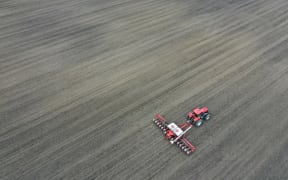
<point>197,111</point>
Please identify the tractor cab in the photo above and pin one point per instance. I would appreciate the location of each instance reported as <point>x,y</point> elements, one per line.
<point>194,115</point>
<point>197,111</point>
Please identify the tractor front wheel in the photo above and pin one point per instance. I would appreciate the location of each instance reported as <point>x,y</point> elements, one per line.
<point>198,123</point>
<point>206,116</point>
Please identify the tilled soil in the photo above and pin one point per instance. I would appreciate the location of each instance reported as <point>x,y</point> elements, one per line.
<point>81,80</point>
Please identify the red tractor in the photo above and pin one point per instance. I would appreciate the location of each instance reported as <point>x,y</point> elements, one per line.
<point>197,115</point>
<point>175,133</point>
